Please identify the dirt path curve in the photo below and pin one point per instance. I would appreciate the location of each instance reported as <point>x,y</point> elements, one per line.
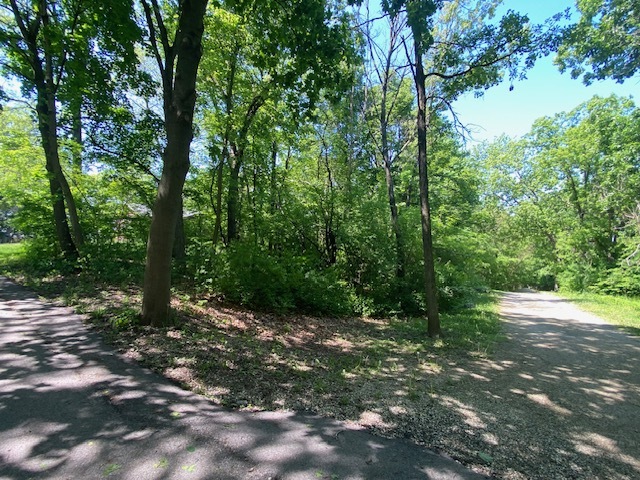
<point>71,408</point>
<point>559,399</point>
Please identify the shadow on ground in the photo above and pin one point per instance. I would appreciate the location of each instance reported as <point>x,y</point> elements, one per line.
<point>561,398</point>
<point>70,408</point>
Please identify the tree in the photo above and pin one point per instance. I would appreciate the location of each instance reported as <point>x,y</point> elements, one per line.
<point>570,190</point>
<point>456,50</point>
<point>177,55</point>
<point>269,53</point>
<point>49,45</point>
<point>604,43</point>
<point>23,183</point>
<point>390,102</point>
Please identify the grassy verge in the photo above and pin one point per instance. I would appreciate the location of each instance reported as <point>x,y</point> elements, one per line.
<point>11,255</point>
<point>339,367</point>
<point>621,311</point>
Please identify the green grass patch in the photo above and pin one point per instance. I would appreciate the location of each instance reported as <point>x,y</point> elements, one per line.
<point>476,329</point>
<point>617,310</point>
<point>11,255</point>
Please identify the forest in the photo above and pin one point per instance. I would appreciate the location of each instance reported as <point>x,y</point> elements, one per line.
<point>305,156</point>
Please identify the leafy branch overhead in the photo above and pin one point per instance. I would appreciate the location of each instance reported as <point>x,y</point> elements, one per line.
<point>604,43</point>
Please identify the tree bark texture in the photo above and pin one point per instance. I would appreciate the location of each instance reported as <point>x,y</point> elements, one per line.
<point>180,241</point>
<point>179,103</point>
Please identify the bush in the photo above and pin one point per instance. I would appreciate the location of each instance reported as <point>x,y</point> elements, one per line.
<point>248,274</point>
<point>623,280</point>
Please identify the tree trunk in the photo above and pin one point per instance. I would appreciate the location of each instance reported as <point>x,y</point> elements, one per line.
<point>238,147</point>
<point>76,134</point>
<point>179,103</point>
<point>217,204</point>
<point>393,207</point>
<point>46,87</point>
<point>233,197</point>
<point>48,135</point>
<point>433,316</point>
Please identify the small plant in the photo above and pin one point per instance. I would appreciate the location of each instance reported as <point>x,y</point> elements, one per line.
<point>162,463</point>
<point>111,468</point>
<point>126,318</point>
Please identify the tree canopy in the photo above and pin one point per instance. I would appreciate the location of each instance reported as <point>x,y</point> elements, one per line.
<point>305,155</point>
<point>604,42</point>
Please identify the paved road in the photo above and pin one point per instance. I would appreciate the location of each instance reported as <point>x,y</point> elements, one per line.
<point>72,408</point>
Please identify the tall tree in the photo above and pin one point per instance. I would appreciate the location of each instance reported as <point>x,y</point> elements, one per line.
<point>456,49</point>
<point>270,52</point>
<point>390,101</point>
<point>570,189</point>
<point>46,47</point>
<point>177,55</point>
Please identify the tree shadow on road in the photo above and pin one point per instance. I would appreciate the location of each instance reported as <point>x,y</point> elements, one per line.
<point>70,407</point>
<point>562,394</point>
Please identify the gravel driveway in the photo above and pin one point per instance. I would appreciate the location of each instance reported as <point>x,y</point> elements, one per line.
<point>560,398</point>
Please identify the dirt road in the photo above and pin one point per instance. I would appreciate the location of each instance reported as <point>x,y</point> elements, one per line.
<point>559,399</point>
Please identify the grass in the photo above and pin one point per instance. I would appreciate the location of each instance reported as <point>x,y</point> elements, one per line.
<point>617,310</point>
<point>11,254</point>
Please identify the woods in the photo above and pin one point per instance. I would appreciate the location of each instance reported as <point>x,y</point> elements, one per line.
<point>309,158</point>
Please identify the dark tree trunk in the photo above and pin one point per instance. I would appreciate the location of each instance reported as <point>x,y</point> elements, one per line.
<point>47,88</point>
<point>233,197</point>
<point>40,61</point>
<point>217,202</point>
<point>46,125</point>
<point>433,316</point>
<point>76,134</point>
<point>238,147</point>
<point>179,103</point>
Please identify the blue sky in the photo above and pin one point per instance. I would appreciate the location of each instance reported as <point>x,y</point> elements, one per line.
<point>545,92</point>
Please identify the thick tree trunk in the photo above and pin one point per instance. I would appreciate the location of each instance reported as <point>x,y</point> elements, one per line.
<point>180,242</point>
<point>166,210</point>
<point>433,316</point>
<point>179,104</point>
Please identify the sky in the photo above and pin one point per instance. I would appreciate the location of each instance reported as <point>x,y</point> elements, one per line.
<point>545,92</point>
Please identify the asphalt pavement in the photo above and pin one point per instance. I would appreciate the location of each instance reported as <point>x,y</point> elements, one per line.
<point>72,408</point>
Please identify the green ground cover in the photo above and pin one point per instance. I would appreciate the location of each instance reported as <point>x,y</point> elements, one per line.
<point>11,254</point>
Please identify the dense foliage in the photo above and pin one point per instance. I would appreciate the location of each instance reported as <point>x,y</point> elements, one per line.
<point>303,189</point>
<point>569,196</point>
